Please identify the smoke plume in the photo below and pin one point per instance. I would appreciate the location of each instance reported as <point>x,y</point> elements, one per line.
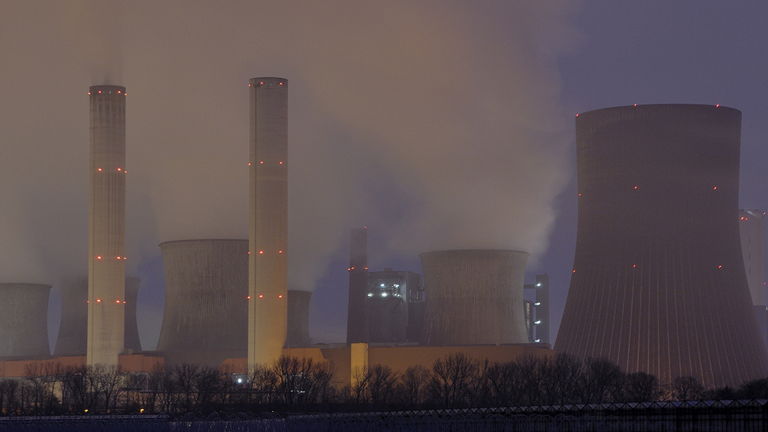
<point>437,122</point>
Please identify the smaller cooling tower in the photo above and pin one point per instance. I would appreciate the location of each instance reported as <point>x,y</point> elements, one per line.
<point>298,319</point>
<point>131,339</point>
<point>24,320</point>
<point>475,297</point>
<point>73,331</point>
<point>206,300</point>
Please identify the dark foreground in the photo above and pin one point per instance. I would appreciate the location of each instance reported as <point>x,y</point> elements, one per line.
<point>741,415</point>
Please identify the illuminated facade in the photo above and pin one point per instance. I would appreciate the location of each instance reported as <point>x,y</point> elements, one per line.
<point>395,306</point>
<point>268,243</point>
<point>653,288</point>
<point>106,263</point>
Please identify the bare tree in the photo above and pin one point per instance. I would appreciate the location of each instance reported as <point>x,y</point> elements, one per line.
<point>381,384</point>
<point>411,387</point>
<point>105,385</point>
<point>452,380</point>
<point>641,387</point>
<point>687,388</point>
<point>601,381</point>
<point>41,380</point>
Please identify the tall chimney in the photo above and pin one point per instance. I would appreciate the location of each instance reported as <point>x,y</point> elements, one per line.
<point>357,309</point>
<point>106,261</point>
<point>268,243</point>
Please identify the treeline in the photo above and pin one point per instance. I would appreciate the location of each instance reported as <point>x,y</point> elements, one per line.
<point>301,385</point>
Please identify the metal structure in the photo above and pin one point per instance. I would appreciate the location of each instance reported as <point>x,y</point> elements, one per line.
<point>752,229</point>
<point>268,274</point>
<point>658,281</point>
<point>357,308</point>
<point>395,304</point>
<point>106,263</point>
<point>537,311</point>
<point>206,300</point>
<point>475,297</point>
<point>73,331</point>
<point>298,319</point>
<point>24,320</point>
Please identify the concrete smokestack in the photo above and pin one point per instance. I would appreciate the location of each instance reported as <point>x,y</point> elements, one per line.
<point>24,320</point>
<point>658,282</point>
<point>73,331</point>
<point>268,274</point>
<point>106,269</point>
<point>298,318</point>
<point>206,300</point>
<point>357,309</point>
<point>474,297</point>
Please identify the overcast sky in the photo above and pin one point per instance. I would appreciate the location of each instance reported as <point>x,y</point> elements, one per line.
<point>437,124</point>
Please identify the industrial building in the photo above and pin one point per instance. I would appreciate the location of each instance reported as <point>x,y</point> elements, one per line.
<point>658,282</point>
<point>73,331</point>
<point>268,242</point>
<point>537,310</point>
<point>395,304</point>
<point>24,320</point>
<point>106,260</point>
<point>474,297</point>
<point>752,230</point>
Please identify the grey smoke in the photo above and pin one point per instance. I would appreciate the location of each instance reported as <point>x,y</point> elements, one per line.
<point>437,122</point>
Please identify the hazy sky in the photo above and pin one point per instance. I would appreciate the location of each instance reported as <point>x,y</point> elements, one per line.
<point>438,124</point>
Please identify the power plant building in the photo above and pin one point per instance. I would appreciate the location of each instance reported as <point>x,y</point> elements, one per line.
<point>537,310</point>
<point>474,297</point>
<point>654,288</point>
<point>395,306</point>
<point>106,263</point>
<point>24,320</point>
<point>268,266</point>
<point>752,229</point>
<point>73,331</point>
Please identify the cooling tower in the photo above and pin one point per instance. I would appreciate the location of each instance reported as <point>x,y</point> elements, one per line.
<point>298,318</point>
<point>73,331</point>
<point>106,269</point>
<point>658,281</point>
<point>752,230</point>
<point>475,297</point>
<point>24,320</point>
<point>206,300</point>
<point>268,274</point>
<point>357,308</point>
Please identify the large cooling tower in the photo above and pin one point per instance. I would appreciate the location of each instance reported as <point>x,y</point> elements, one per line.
<point>298,318</point>
<point>106,269</point>
<point>24,320</point>
<point>73,331</point>
<point>658,281</point>
<point>475,297</point>
<point>206,298</point>
<point>268,274</point>
<point>357,307</point>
